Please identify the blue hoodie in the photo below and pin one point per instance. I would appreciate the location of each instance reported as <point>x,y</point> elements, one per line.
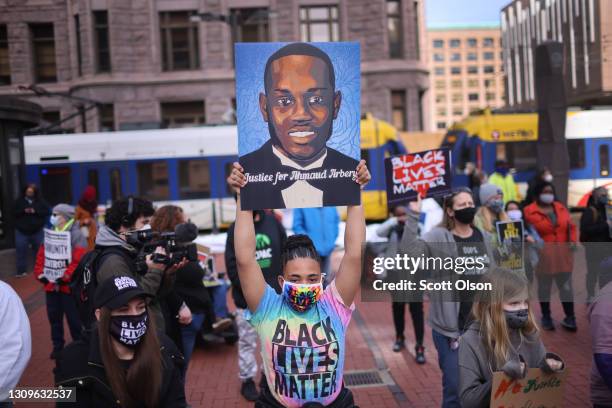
<point>320,224</point>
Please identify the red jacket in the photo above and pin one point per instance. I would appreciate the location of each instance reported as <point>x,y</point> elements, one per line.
<point>553,258</point>
<point>79,248</point>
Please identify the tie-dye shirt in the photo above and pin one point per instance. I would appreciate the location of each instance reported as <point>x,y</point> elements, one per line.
<point>303,353</point>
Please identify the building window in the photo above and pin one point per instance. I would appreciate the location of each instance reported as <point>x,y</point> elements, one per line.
<point>440,98</point>
<point>456,84</point>
<point>398,109</point>
<point>182,114</point>
<point>458,111</point>
<point>455,70</point>
<point>439,71</point>
<point>79,54</point>
<point>488,56</point>
<point>455,43</point>
<point>456,57</point>
<point>440,84</point>
<point>251,25</point>
<point>5,68</point>
<point>101,41</point>
<point>179,41</point>
<point>472,56</point>
<point>438,43</point>
<point>473,97</point>
<point>153,180</point>
<point>43,47</point>
<point>441,125</point>
<point>106,114</point>
<point>457,97</point>
<point>441,111</point>
<point>487,42</point>
<point>472,42</point>
<point>490,96</point>
<point>488,83</point>
<point>319,23</point>
<point>394,28</point>
<point>489,69</point>
<point>194,179</point>
<point>438,57</point>
<point>472,83</point>
<point>50,117</point>
<point>472,69</point>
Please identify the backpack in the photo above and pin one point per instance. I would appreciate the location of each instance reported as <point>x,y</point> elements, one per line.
<point>84,281</point>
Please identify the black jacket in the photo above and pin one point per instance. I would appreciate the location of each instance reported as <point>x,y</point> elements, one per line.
<point>264,195</point>
<point>271,237</point>
<point>80,365</point>
<point>594,225</point>
<point>27,222</point>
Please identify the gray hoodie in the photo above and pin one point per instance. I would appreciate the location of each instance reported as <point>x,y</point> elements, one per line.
<point>115,265</point>
<point>476,367</point>
<point>438,242</point>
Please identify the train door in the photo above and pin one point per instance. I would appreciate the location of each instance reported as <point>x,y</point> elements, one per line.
<point>115,181</point>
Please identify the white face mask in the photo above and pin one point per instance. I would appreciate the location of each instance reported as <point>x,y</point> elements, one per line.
<point>548,178</point>
<point>145,227</point>
<point>54,220</point>
<point>547,198</point>
<point>85,232</point>
<point>515,215</point>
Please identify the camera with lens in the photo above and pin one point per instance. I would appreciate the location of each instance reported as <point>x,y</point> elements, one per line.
<point>177,245</point>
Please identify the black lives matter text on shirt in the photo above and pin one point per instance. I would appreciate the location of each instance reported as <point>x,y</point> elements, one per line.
<point>305,363</point>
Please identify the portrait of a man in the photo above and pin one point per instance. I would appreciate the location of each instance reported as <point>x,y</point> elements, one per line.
<point>296,167</point>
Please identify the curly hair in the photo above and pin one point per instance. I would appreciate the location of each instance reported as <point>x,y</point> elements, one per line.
<point>166,218</point>
<point>298,246</point>
<point>118,215</point>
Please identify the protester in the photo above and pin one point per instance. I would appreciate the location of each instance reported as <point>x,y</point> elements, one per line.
<point>533,241</point>
<point>503,337</point>
<point>458,236</point>
<point>601,333</point>
<point>58,296</point>
<point>270,239</point>
<point>85,215</point>
<point>124,361</point>
<point>491,211</point>
<point>321,225</point>
<point>502,178</point>
<point>188,299</point>
<point>595,232</point>
<point>126,216</point>
<point>16,342</point>
<point>542,176</point>
<point>31,213</point>
<point>317,318</point>
<point>552,221</point>
<point>393,229</point>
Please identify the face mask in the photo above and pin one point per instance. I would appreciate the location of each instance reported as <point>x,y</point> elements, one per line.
<point>496,206</point>
<point>602,200</point>
<point>145,227</point>
<point>548,178</point>
<point>465,215</point>
<point>517,319</point>
<point>515,215</point>
<point>547,198</point>
<point>502,170</point>
<point>302,296</point>
<point>129,330</point>
<point>54,220</point>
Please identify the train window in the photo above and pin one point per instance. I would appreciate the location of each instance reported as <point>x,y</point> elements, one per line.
<point>115,184</point>
<point>576,150</point>
<point>56,184</point>
<point>604,160</point>
<point>521,156</point>
<point>194,179</point>
<point>153,180</point>
<point>92,180</point>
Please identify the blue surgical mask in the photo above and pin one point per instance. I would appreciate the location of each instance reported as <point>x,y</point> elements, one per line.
<point>515,215</point>
<point>54,220</point>
<point>496,206</point>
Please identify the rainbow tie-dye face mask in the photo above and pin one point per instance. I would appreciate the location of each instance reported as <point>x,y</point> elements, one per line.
<point>302,296</point>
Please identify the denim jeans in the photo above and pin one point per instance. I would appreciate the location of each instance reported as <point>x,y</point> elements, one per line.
<point>22,244</point>
<point>448,360</point>
<point>219,296</point>
<point>188,336</point>
<point>58,304</point>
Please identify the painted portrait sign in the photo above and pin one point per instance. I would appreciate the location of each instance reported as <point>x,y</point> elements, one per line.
<point>298,123</point>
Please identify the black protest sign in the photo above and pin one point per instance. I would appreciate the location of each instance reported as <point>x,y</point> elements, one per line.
<point>511,251</point>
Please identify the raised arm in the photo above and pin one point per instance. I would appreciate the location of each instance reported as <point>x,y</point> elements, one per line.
<point>251,278</point>
<point>348,276</point>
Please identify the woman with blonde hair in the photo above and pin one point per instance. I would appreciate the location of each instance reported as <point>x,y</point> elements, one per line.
<point>503,337</point>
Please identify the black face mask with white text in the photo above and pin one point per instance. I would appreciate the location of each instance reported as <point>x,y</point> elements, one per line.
<point>129,330</point>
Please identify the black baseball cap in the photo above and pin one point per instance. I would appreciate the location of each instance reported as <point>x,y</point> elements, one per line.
<point>117,291</point>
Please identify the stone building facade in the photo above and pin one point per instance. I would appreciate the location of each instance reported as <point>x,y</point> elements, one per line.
<point>170,62</point>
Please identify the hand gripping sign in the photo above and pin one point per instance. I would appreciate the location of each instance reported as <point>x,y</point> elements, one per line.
<point>537,389</point>
<point>426,173</point>
<point>58,254</point>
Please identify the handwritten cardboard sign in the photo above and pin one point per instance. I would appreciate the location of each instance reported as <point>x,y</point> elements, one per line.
<point>536,390</point>
<point>511,252</point>
<point>58,254</point>
<point>426,173</point>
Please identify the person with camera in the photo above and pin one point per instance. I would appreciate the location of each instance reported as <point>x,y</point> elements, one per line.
<point>124,361</point>
<point>56,260</point>
<point>122,255</point>
<point>188,300</point>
